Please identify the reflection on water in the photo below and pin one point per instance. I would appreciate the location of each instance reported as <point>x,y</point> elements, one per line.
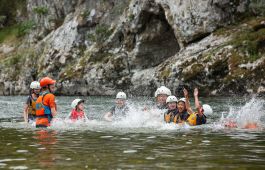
<point>46,139</point>
<point>140,141</point>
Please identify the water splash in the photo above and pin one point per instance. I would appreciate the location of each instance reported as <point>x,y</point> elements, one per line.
<point>249,114</point>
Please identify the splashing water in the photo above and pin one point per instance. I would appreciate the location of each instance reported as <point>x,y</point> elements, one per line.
<point>251,113</point>
<point>140,140</point>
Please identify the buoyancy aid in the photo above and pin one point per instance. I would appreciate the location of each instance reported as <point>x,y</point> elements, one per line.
<point>169,115</point>
<point>181,117</point>
<point>77,115</point>
<point>194,119</point>
<point>43,112</point>
<point>32,106</point>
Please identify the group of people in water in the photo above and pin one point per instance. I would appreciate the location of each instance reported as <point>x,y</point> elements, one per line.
<point>41,106</point>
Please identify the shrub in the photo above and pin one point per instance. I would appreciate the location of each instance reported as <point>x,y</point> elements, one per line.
<point>41,10</point>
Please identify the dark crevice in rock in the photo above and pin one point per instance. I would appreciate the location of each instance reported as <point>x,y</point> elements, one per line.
<point>156,40</point>
<point>199,37</point>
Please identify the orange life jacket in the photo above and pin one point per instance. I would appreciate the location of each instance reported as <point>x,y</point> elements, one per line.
<point>43,112</point>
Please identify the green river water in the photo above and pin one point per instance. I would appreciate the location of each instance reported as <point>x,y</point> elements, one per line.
<point>140,141</point>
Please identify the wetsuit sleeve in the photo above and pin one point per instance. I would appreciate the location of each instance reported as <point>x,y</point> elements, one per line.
<point>200,120</point>
<point>28,100</point>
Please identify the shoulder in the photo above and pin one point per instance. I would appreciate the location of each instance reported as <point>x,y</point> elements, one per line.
<point>28,100</point>
<point>49,96</point>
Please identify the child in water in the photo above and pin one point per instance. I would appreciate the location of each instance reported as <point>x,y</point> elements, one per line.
<point>179,111</point>
<point>198,117</point>
<point>119,110</point>
<point>77,112</point>
<point>172,109</point>
<point>29,112</point>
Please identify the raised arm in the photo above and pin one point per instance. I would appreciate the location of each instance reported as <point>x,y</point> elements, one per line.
<point>187,103</point>
<point>197,103</point>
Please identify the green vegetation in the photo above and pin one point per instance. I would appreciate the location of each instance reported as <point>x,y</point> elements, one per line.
<point>40,10</point>
<point>85,14</point>
<point>131,17</point>
<point>196,69</point>
<point>16,31</point>
<point>25,27</point>
<point>249,41</point>
<point>101,34</point>
<point>248,37</point>
<point>13,65</point>
<point>165,73</point>
<point>7,32</point>
<point>13,60</point>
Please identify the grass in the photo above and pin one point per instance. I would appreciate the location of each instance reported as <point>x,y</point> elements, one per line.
<point>41,10</point>
<point>25,27</point>
<point>15,31</point>
<point>8,33</point>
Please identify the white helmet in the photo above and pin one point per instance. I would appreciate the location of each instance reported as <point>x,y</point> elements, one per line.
<point>182,100</point>
<point>121,95</point>
<point>76,102</point>
<point>172,99</point>
<point>163,90</point>
<point>207,109</point>
<point>35,85</point>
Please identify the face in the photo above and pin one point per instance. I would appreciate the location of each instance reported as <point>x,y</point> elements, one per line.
<point>161,99</point>
<point>181,107</point>
<point>120,102</point>
<point>36,91</point>
<point>172,105</point>
<point>52,88</point>
<point>80,106</point>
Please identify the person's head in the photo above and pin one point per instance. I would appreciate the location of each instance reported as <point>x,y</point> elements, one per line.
<point>47,83</point>
<point>172,102</point>
<point>206,109</point>
<point>181,105</point>
<point>161,95</point>
<point>78,104</point>
<point>120,99</point>
<point>35,87</point>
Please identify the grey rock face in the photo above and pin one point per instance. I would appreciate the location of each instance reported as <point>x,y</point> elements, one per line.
<point>99,47</point>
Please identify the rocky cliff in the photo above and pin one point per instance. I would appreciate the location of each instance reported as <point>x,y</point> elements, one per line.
<point>99,47</point>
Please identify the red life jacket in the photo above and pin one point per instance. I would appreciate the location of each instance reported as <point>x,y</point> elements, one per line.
<point>77,115</point>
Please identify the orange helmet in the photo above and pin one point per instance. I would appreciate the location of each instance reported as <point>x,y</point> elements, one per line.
<point>46,81</point>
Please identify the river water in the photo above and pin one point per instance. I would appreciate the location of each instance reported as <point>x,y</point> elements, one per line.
<point>140,141</point>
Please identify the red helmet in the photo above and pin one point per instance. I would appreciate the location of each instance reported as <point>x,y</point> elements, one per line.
<point>46,81</point>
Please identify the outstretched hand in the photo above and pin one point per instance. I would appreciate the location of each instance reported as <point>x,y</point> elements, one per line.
<point>196,92</point>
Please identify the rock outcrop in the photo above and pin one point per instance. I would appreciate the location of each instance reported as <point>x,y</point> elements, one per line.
<point>100,47</point>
